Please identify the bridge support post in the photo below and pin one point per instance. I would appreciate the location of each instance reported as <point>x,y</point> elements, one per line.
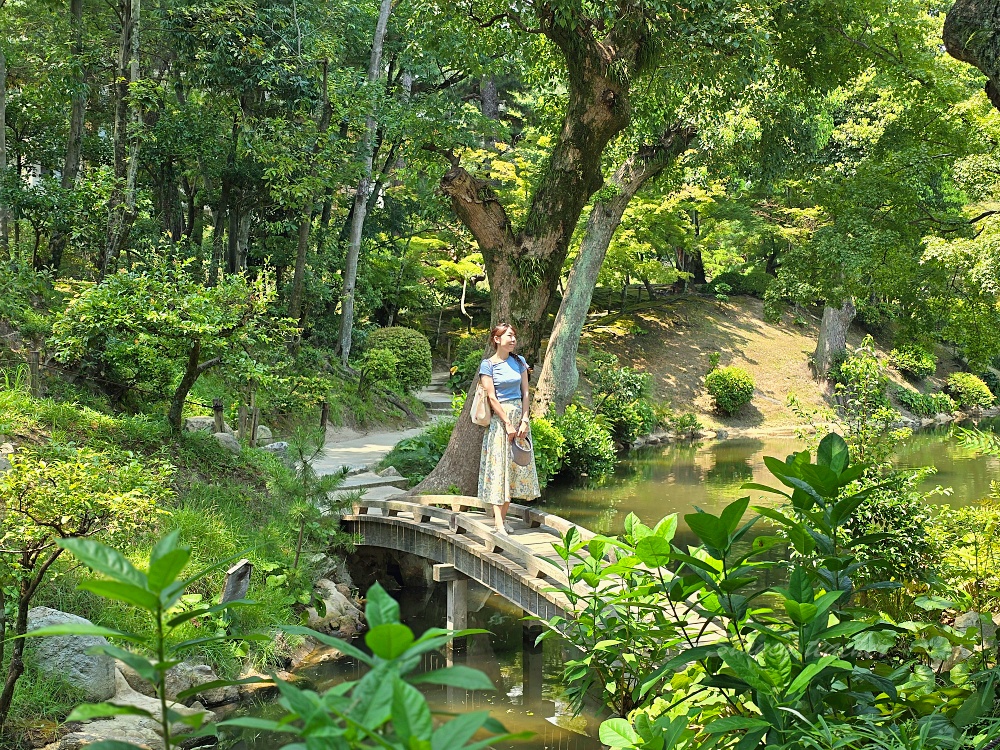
<point>458,595</point>
<point>532,663</point>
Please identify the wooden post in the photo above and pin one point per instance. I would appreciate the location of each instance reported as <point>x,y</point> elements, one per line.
<point>220,422</point>
<point>254,423</point>
<point>241,422</point>
<point>34,371</point>
<point>324,415</point>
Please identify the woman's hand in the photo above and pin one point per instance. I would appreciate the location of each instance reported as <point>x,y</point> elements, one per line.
<point>511,431</point>
<point>522,430</point>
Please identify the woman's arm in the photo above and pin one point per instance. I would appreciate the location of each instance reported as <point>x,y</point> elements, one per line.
<point>522,429</point>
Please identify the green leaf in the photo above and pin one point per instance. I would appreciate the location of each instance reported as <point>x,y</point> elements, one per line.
<point>206,611</point>
<point>164,570</point>
<point>104,560</point>
<point>618,733</point>
<point>458,731</point>
<point>802,613</point>
<point>380,609</point>
<point>653,551</point>
<point>122,592</point>
<point>708,528</point>
<point>252,722</point>
<point>89,711</point>
<point>875,641</point>
<point>833,453</point>
<point>745,668</point>
<point>343,646</point>
<point>735,723</point>
<point>389,640</point>
<point>732,514</point>
<point>82,629</point>
<point>410,715</point>
<point>165,546</point>
<point>112,745</point>
<point>667,527</point>
<point>191,692</point>
<point>458,676</point>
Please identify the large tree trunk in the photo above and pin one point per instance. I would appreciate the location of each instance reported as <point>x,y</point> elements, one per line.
<point>364,190</point>
<point>523,266</point>
<point>832,342</point>
<point>4,211</point>
<point>122,203</point>
<point>71,165</point>
<point>971,34</point>
<point>559,378</point>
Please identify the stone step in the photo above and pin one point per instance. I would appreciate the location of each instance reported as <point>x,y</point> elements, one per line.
<point>383,492</point>
<point>371,479</point>
<point>434,398</point>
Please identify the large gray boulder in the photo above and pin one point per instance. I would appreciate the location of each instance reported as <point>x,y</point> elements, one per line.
<point>204,424</point>
<point>264,435</point>
<point>227,441</point>
<point>342,615</point>
<point>66,656</point>
<point>187,675</point>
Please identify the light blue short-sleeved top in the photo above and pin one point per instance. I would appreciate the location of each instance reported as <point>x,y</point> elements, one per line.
<point>506,377</point>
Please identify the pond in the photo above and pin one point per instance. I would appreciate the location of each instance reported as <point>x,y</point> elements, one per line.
<point>651,482</point>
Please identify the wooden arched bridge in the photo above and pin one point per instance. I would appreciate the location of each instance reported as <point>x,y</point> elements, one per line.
<point>457,533</point>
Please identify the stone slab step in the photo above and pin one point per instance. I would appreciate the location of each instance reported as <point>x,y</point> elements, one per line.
<point>371,479</point>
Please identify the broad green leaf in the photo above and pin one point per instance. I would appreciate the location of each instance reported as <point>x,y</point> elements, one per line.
<point>833,453</point>
<point>380,609</point>
<point>327,640</point>
<point>667,527</point>
<point>653,551</point>
<point>389,640</point>
<point>89,711</point>
<point>82,629</point>
<point>745,668</point>
<point>122,592</point>
<point>191,692</point>
<point>735,723</point>
<point>709,529</point>
<point>801,613</point>
<point>875,641</point>
<point>164,570</point>
<point>166,545</point>
<point>732,514</point>
<point>458,676</point>
<point>112,745</point>
<point>618,733</point>
<point>455,733</point>
<point>104,559</point>
<point>410,715</point>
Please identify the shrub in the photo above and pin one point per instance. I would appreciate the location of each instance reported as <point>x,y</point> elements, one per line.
<point>376,366</point>
<point>620,396</point>
<point>731,387</point>
<point>969,391</point>
<point>412,351</point>
<point>415,457</point>
<point>550,449</point>
<point>992,382</point>
<point>755,283</point>
<point>628,421</point>
<point>590,451</point>
<point>685,425</point>
<point>913,361</point>
<point>924,404</point>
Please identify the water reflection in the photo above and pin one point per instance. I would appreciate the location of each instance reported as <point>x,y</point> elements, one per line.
<point>653,482</point>
<point>529,695</point>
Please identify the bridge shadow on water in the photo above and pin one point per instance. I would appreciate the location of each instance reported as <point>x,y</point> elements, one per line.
<point>529,695</point>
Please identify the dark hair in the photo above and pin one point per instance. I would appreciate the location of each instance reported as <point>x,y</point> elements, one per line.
<point>499,330</point>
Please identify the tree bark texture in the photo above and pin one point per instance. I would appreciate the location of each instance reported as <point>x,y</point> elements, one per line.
<point>559,377</point>
<point>78,105</point>
<point>364,189</point>
<point>972,35</point>
<point>122,202</point>
<point>523,264</point>
<point>832,341</point>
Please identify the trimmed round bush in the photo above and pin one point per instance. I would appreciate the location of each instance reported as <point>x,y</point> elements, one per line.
<point>731,387</point>
<point>589,449</point>
<point>550,449</point>
<point>412,351</point>
<point>914,362</point>
<point>755,283</point>
<point>969,391</point>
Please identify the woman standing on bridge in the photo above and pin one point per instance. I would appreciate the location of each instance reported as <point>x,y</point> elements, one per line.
<point>504,378</point>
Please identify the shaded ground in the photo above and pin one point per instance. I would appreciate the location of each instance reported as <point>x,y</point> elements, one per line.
<point>672,339</point>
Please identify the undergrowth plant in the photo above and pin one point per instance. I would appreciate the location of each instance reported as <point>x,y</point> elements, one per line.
<point>756,663</point>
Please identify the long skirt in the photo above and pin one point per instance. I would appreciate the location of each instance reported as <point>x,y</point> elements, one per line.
<point>500,478</point>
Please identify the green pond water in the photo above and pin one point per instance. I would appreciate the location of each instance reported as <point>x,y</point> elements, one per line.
<point>651,482</point>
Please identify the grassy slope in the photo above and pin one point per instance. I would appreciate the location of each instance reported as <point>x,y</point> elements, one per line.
<point>672,339</point>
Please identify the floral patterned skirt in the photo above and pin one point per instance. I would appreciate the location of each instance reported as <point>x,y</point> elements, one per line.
<point>500,479</point>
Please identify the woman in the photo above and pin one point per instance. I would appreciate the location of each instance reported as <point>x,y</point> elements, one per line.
<point>504,378</point>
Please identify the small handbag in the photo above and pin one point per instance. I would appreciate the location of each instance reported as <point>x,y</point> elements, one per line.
<point>480,413</point>
<point>519,454</point>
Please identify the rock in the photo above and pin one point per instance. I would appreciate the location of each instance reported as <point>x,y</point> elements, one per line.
<point>126,696</point>
<point>65,656</point>
<point>721,434</point>
<point>312,652</point>
<point>342,615</point>
<point>264,436</point>
<point>390,472</point>
<point>279,448</point>
<point>227,441</point>
<point>958,655</point>
<point>135,681</point>
<point>985,625</point>
<point>187,675</point>
<point>204,424</point>
<point>4,464</point>
<point>133,729</point>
